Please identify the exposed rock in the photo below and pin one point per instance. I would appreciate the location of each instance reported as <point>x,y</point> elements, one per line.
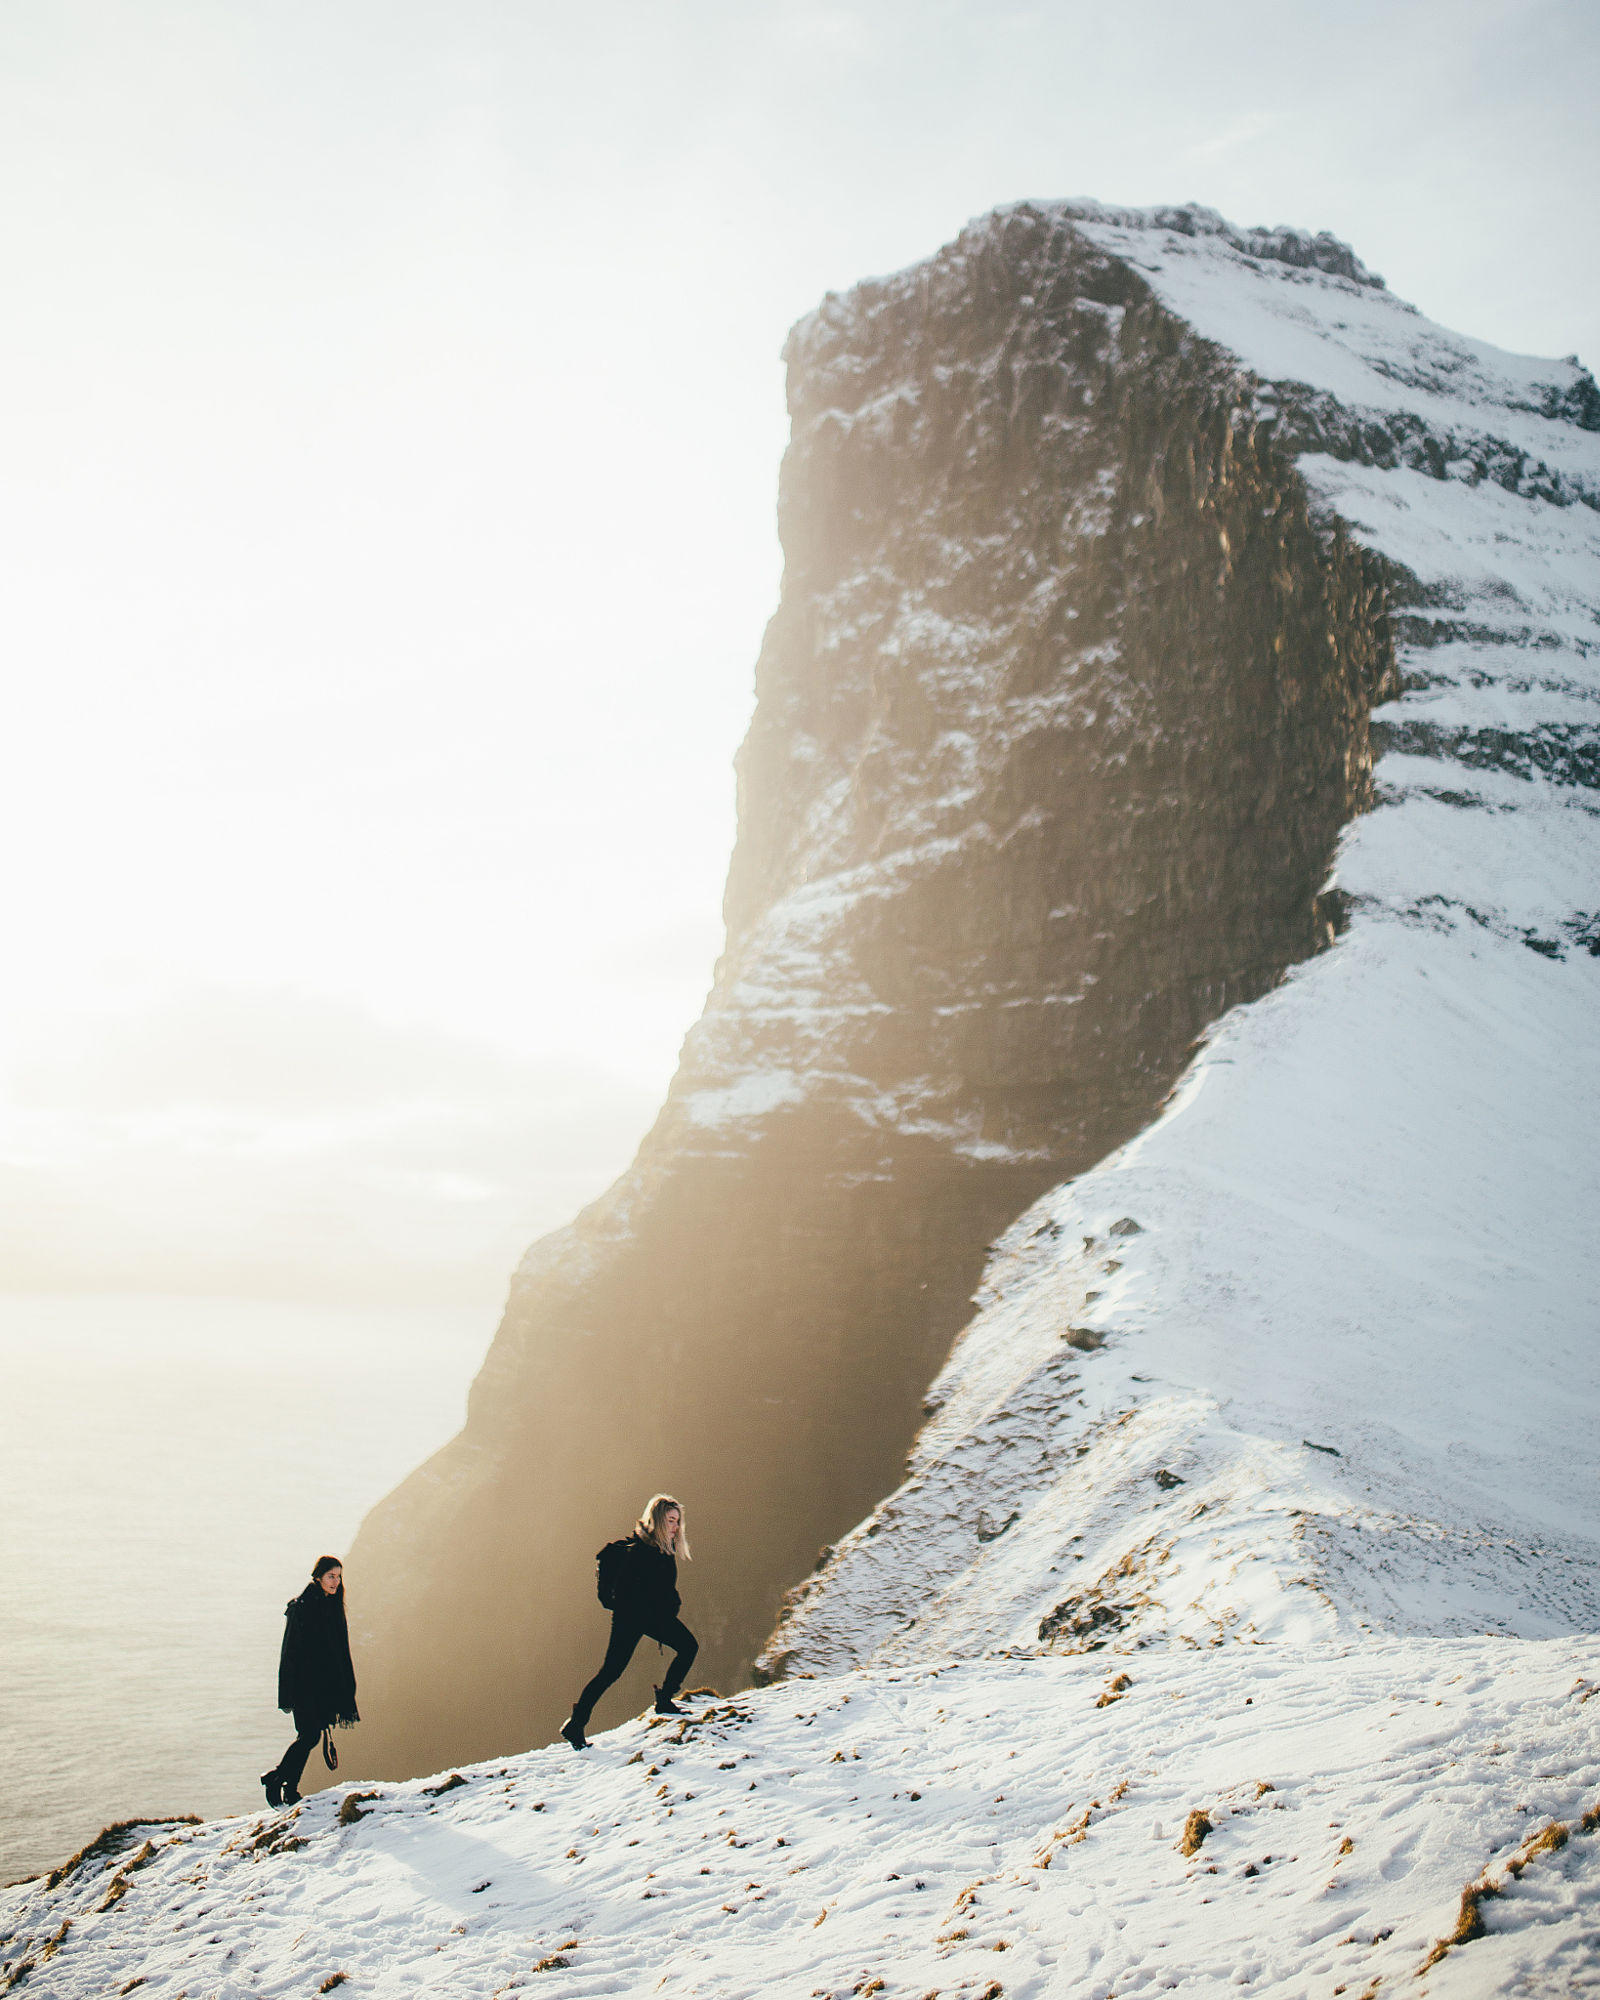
<point>1368,1209</point>
<point>1064,703</point>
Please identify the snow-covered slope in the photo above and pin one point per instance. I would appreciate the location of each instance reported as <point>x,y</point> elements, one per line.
<point>1318,1350</point>
<point>984,1828</point>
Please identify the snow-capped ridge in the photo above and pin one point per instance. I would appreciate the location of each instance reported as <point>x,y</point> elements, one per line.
<point>1281,243</point>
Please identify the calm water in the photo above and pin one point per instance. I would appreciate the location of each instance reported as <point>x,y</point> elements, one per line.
<point>169,1469</point>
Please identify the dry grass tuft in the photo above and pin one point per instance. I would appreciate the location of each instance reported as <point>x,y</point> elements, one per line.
<point>1590,1821</point>
<point>1469,1920</point>
<point>111,1840</point>
<point>351,1810</point>
<point>275,1837</point>
<point>119,1882</point>
<point>1195,1829</point>
<point>333,1979</point>
<point>1549,1840</point>
<point>108,1841</point>
<point>53,1945</point>
<point>450,1784</point>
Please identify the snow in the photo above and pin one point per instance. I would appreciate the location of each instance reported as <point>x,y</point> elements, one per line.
<point>982,1827</point>
<point>1328,1250</point>
<point>1535,562</point>
<point>1353,341</point>
<point>755,1095</point>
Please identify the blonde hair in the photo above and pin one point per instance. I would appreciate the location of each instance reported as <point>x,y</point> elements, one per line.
<point>649,1525</point>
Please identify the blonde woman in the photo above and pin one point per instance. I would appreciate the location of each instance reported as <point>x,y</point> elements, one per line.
<point>638,1584</point>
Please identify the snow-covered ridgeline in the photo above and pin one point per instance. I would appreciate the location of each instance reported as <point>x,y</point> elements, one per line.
<point>1327,339</point>
<point>1291,1822</point>
<point>1365,1221</point>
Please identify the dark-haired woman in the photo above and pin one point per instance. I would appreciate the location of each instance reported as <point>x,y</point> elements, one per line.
<point>640,1584</point>
<point>315,1677</point>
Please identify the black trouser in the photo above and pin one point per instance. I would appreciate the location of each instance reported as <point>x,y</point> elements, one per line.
<point>308,1727</point>
<point>626,1632</point>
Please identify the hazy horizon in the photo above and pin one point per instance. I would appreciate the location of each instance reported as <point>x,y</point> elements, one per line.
<point>392,414</point>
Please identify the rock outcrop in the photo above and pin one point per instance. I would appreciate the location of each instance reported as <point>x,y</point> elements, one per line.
<point>1313,1357</point>
<point>1063,708</point>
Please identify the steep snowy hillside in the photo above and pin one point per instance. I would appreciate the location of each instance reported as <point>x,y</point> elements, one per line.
<point>1317,1351</point>
<point>1284,1822</point>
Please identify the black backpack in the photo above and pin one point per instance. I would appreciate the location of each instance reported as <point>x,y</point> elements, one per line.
<point>614,1572</point>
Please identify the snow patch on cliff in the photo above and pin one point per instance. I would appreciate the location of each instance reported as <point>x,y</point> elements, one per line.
<point>756,1095</point>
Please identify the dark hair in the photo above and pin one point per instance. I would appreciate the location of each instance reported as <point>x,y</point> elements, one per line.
<point>314,1592</point>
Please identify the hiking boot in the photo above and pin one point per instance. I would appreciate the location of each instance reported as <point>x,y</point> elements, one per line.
<point>572,1730</point>
<point>274,1784</point>
<point>665,1705</point>
<point>291,1795</point>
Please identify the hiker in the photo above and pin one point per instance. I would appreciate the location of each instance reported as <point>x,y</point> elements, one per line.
<point>315,1677</point>
<point>638,1585</point>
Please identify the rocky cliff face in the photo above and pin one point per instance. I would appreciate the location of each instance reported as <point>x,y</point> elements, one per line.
<point>1061,713</point>
<point>1314,1357</point>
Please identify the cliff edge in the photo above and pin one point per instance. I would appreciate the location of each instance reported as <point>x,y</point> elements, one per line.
<point>1065,706</point>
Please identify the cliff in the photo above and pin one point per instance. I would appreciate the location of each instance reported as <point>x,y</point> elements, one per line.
<point>1063,709</point>
<point>1314,1355</point>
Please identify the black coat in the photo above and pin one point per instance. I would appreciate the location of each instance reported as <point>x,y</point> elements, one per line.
<point>315,1675</point>
<point>650,1594</point>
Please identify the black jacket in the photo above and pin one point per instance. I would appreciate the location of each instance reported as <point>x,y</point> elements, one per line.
<point>315,1675</point>
<point>649,1594</point>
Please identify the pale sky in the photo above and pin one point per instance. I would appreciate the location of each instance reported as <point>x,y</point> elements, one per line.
<point>390,414</point>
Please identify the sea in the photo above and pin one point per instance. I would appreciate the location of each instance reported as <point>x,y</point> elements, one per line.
<point>170,1468</point>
